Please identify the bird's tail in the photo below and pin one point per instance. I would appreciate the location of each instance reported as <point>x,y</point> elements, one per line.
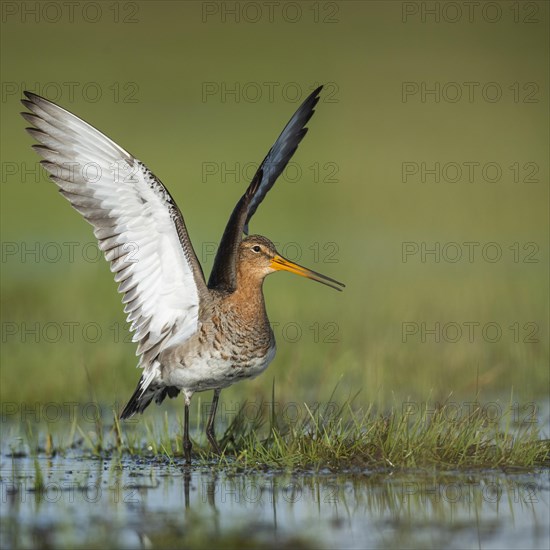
<point>142,398</point>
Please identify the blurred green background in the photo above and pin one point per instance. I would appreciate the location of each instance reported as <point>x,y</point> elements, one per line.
<point>158,79</point>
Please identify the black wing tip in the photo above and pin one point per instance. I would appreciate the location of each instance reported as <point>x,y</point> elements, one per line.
<point>27,116</point>
<point>32,131</point>
<point>31,99</point>
<point>136,404</point>
<point>314,96</point>
<point>127,413</point>
<point>130,409</point>
<point>317,91</point>
<point>296,128</point>
<point>28,105</point>
<point>32,103</point>
<point>140,399</point>
<point>34,100</point>
<point>306,110</point>
<point>40,147</point>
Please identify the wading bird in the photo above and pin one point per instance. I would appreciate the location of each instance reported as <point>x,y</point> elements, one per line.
<point>192,336</point>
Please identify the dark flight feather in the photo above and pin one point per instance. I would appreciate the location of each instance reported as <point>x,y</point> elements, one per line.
<point>224,276</point>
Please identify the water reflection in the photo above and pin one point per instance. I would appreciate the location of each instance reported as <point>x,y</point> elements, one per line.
<point>142,503</point>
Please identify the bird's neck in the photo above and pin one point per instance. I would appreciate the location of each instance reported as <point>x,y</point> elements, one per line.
<point>248,296</point>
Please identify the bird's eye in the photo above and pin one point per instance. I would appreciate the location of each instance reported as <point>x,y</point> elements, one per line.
<point>256,248</point>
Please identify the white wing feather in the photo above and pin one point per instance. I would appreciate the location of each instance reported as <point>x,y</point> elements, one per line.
<point>137,224</point>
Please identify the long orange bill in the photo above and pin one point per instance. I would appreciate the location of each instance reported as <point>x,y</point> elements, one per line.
<point>282,264</point>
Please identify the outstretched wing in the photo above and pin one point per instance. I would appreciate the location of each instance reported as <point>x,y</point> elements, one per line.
<point>223,274</point>
<point>137,223</point>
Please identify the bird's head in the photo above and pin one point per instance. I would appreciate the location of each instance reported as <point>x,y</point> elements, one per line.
<point>258,256</point>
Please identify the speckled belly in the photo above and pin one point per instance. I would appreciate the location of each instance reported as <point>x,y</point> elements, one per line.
<point>209,370</point>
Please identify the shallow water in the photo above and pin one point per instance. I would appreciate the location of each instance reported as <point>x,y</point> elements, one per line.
<point>156,503</point>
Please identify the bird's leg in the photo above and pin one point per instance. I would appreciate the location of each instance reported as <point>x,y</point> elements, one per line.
<point>210,424</point>
<point>187,445</point>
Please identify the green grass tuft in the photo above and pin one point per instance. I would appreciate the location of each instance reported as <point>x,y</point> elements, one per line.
<point>342,438</point>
